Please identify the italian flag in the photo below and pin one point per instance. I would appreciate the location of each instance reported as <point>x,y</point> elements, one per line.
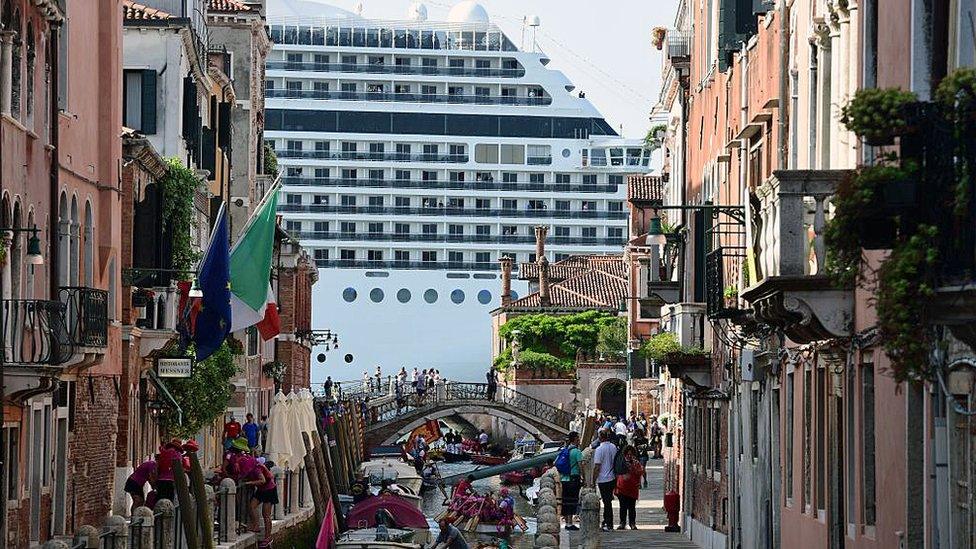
<point>252,301</point>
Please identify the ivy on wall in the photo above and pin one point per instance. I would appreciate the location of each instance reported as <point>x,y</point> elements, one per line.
<point>179,190</point>
<point>202,397</point>
<point>552,341</point>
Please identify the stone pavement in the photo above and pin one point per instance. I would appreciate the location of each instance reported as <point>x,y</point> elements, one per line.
<point>651,520</point>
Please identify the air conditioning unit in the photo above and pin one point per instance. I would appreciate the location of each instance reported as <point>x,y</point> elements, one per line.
<point>749,369</point>
<point>240,201</point>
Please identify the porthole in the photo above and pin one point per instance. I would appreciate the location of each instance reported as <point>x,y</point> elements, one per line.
<point>376,295</point>
<point>430,296</point>
<point>514,295</point>
<point>566,153</point>
<point>403,295</point>
<point>484,297</point>
<point>347,358</point>
<point>349,294</point>
<point>457,296</point>
<point>321,357</point>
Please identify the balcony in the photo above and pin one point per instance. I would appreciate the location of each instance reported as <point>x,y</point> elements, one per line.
<point>544,160</point>
<point>155,310</point>
<point>654,290</point>
<point>374,156</point>
<point>86,312</point>
<point>453,185</point>
<point>456,238</point>
<point>677,45</point>
<point>687,321</point>
<point>720,302</point>
<point>382,68</point>
<point>35,339</point>
<point>792,293</point>
<point>450,98</point>
<point>441,211</point>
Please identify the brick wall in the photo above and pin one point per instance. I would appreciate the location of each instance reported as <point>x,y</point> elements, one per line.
<point>90,447</point>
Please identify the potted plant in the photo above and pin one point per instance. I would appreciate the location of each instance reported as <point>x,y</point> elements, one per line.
<point>275,370</point>
<point>731,295</point>
<point>878,115</point>
<point>658,35</point>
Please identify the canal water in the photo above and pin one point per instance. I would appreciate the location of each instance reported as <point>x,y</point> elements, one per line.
<point>433,505</point>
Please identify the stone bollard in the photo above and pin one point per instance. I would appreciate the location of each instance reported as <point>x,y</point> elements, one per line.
<point>294,485</point>
<point>115,532</point>
<point>55,544</point>
<point>143,534</point>
<point>278,512</point>
<point>166,523</point>
<point>228,510</point>
<point>589,519</point>
<point>86,537</point>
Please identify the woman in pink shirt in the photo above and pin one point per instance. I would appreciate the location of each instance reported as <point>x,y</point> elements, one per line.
<point>265,495</point>
<point>135,484</point>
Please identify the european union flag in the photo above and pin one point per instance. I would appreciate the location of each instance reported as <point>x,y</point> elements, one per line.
<point>213,319</point>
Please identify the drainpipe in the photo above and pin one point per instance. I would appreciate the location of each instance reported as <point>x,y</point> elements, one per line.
<point>784,84</point>
<point>52,226</point>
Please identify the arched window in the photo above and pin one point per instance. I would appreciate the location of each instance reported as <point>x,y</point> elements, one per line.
<point>74,244</point>
<point>15,65</point>
<point>64,240</point>
<point>31,49</point>
<point>5,241</point>
<point>28,291</point>
<point>16,254</point>
<point>89,239</point>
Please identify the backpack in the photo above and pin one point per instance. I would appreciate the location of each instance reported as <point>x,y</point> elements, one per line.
<point>562,463</point>
<point>620,464</point>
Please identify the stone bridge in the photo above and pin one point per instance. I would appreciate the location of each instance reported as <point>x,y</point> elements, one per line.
<point>388,420</point>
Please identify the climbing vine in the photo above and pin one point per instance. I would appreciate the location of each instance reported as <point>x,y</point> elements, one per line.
<point>552,341</point>
<point>270,161</point>
<point>202,397</point>
<point>179,189</point>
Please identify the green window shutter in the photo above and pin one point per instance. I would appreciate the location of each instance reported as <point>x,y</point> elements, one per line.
<point>148,102</point>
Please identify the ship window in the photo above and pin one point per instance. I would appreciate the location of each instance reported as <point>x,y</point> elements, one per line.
<point>486,154</point>
<point>484,297</point>
<point>514,294</point>
<point>403,295</point>
<point>376,295</point>
<point>430,296</point>
<point>457,296</point>
<point>512,154</point>
<point>566,153</point>
<point>349,295</point>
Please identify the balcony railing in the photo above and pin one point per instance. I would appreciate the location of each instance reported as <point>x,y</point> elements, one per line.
<point>374,156</point>
<point>457,238</point>
<point>378,68</point>
<point>413,265</point>
<point>544,160</point>
<point>87,315</point>
<point>453,212</point>
<point>718,262</point>
<point>678,44</point>
<point>453,185</point>
<point>34,332</point>
<point>451,98</point>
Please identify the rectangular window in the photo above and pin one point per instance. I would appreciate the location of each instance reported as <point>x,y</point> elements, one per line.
<point>512,154</point>
<point>537,178</point>
<point>428,90</point>
<point>293,199</point>
<point>820,434</point>
<point>401,228</point>
<point>349,60</point>
<point>562,205</point>
<point>454,229</point>
<point>509,204</point>
<point>293,172</point>
<point>458,151</point>
<point>615,206</point>
<point>321,226</point>
<point>347,227</point>
<point>429,228</point>
<point>428,256</point>
<point>376,175</point>
<point>293,145</point>
<point>320,86</point>
<point>427,175</point>
<point>349,173</point>
<point>457,203</point>
<point>455,257</point>
<point>588,232</point>
<point>322,173</point>
<point>615,179</point>
<point>293,226</point>
<point>349,87</point>
<point>348,200</point>
<point>615,232</point>
<point>321,254</point>
<point>788,436</point>
<point>252,340</point>
<point>868,466</point>
<point>401,255</point>
<point>482,230</point>
<point>377,149</point>
<point>376,201</point>
<point>402,175</point>
<point>563,178</point>
<point>509,177</point>
<point>561,231</point>
<point>510,230</point>
<point>139,99</point>
<point>807,436</point>
<point>429,62</point>
<point>11,439</point>
<point>455,63</point>
<point>456,176</point>
<point>717,437</point>
<point>482,91</point>
<point>294,85</point>
<point>482,203</point>
<point>349,146</point>
<point>589,179</point>
<point>588,205</point>
<point>402,201</point>
<point>322,145</point>
<point>482,257</point>
<point>347,255</point>
<point>375,228</point>
<point>374,255</point>
<point>486,154</point>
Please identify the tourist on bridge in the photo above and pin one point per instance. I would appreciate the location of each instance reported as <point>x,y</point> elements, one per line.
<point>606,480</point>
<point>367,382</point>
<point>379,379</point>
<point>492,378</point>
<point>327,386</point>
<point>571,476</point>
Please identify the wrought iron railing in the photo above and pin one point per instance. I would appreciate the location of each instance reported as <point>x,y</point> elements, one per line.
<point>469,185</point>
<point>382,68</point>
<point>451,98</point>
<point>453,212</point>
<point>717,263</point>
<point>86,315</point>
<point>34,332</point>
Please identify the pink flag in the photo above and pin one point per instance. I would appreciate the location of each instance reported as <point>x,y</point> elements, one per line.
<point>326,539</point>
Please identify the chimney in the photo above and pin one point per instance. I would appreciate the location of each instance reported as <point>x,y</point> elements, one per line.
<point>506,264</point>
<point>543,262</point>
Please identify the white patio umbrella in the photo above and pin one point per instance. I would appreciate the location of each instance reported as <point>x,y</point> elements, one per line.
<point>279,448</point>
<point>308,413</point>
<point>295,427</point>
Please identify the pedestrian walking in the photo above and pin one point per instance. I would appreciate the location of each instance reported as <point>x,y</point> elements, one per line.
<point>265,496</point>
<point>620,430</point>
<point>606,480</point>
<point>251,431</point>
<point>571,477</point>
<point>327,386</point>
<point>263,424</point>
<point>657,434</point>
<point>628,489</point>
<point>641,444</point>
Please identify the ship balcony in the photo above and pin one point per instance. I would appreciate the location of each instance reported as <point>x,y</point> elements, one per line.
<point>383,97</point>
<point>455,238</point>
<point>792,292</point>
<point>411,265</point>
<point>36,344</point>
<point>383,68</point>
<point>448,211</point>
<point>374,156</point>
<point>473,185</point>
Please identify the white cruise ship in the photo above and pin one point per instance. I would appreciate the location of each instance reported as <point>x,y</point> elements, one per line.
<point>414,154</point>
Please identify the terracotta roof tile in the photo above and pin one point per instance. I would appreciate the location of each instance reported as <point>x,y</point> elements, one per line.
<point>227,6</point>
<point>645,188</point>
<point>138,12</point>
<point>591,282</point>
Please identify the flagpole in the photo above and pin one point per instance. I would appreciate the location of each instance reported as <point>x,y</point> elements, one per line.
<point>274,188</point>
<point>220,212</point>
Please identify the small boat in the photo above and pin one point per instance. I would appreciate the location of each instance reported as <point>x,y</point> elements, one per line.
<point>518,477</point>
<point>367,544</point>
<point>405,510</point>
<point>375,534</point>
<point>488,459</point>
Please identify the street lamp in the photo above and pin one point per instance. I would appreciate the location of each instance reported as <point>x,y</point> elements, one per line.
<point>33,256</point>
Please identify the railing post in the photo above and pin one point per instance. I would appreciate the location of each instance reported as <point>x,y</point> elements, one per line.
<point>228,510</point>
<point>143,536</point>
<point>115,533</point>
<point>294,487</point>
<point>589,506</point>
<point>86,537</point>
<point>166,524</point>
<point>279,475</point>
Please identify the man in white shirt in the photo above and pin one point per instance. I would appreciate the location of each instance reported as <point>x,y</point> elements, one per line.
<point>606,480</point>
<point>620,429</point>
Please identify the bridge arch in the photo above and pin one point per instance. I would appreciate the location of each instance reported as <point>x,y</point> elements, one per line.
<point>486,409</point>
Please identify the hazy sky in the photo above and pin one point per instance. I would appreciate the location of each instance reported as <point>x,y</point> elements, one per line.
<point>603,46</point>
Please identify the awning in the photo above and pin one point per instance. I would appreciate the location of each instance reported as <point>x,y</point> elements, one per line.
<point>161,386</point>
